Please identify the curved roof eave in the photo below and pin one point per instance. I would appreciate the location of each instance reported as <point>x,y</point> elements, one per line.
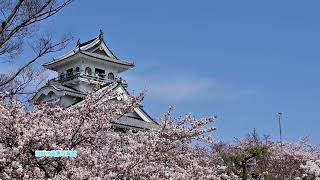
<point>48,64</point>
<point>59,90</point>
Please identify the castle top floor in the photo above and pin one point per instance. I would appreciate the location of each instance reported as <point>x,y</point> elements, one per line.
<point>89,60</point>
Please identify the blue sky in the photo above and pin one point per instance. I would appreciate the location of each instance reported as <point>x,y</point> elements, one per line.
<point>241,60</point>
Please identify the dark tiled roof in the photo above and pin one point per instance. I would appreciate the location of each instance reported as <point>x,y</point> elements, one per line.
<point>135,123</point>
<point>87,42</point>
<point>59,87</point>
<point>106,58</point>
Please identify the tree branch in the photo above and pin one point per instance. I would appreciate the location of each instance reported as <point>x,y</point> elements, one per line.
<point>44,48</point>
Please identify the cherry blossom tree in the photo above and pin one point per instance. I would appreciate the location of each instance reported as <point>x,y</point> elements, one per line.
<point>261,158</point>
<point>171,151</point>
<point>311,169</point>
<point>103,152</point>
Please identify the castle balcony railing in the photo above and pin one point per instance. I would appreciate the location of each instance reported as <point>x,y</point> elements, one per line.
<point>75,75</point>
<point>101,78</point>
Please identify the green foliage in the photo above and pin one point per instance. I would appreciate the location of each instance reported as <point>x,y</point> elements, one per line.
<point>258,151</point>
<point>242,158</point>
<point>244,175</point>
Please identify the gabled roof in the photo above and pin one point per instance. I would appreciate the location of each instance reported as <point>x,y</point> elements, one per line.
<point>91,48</point>
<point>138,110</point>
<point>87,42</point>
<point>59,88</point>
<point>130,122</point>
<point>105,58</point>
<point>138,119</point>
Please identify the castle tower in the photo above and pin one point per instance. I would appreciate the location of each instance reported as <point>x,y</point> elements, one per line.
<point>89,66</point>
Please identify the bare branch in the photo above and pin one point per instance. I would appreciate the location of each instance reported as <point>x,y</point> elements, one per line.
<point>44,47</point>
<point>22,16</point>
<point>9,19</point>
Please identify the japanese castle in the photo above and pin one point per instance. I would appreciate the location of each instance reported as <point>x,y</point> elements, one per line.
<point>90,65</point>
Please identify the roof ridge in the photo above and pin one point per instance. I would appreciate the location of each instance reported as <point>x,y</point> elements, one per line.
<point>87,42</point>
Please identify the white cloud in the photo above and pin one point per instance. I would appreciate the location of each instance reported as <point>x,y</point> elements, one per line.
<point>50,74</point>
<point>179,88</point>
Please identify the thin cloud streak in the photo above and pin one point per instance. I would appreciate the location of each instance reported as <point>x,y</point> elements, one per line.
<point>179,88</point>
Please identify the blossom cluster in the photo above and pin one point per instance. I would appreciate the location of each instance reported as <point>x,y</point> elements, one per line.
<point>178,149</point>
<point>103,151</point>
<point>312,168</point>
<point>256,158</point>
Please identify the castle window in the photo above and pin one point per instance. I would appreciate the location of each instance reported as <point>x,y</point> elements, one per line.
<point>61,76</point>
<point>40,99</point>
<point>88,71</point>
<point>50,94</point>
<point>69,72</point>
<point>100,72</point>
<point>111,76</point>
